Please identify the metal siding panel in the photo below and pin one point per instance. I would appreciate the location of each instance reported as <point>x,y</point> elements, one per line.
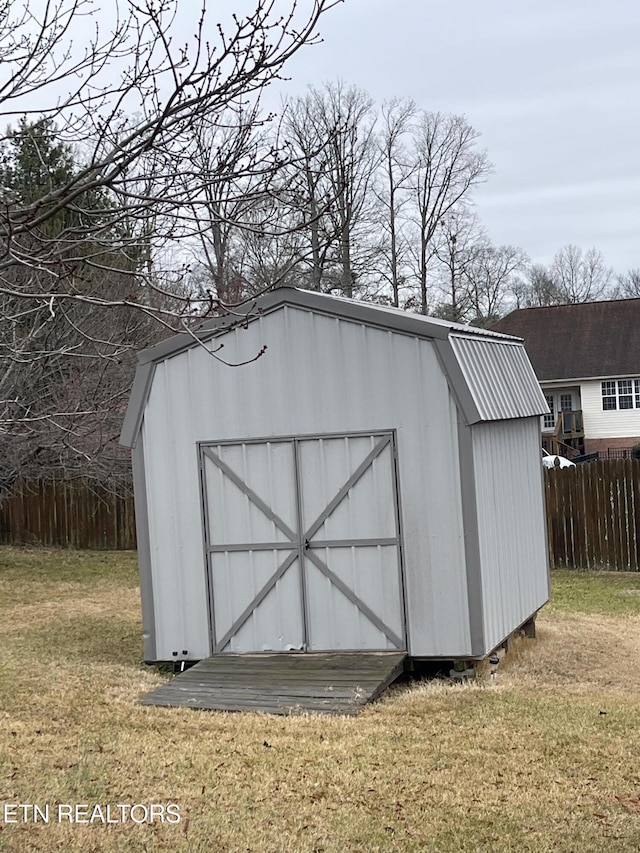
<point>276,623</point>
<point>511,524</point>
<point>500,378</point>
<point>250,496</point>
<point>457,381</point>
<point>162,529</point>
<point>267,469</point>
<point>318,375</point>
<point>175,517</point>
<point>366,511</point>
<point>336,623</point>
<point>471,540</point>
<point>187,529</point>
<point>429,472</point>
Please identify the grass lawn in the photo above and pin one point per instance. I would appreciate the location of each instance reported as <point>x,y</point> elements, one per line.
<point>545,757</point>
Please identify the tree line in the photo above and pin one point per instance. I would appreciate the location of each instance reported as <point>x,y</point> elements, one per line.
<point>153,191</point>
<point>377,203</point>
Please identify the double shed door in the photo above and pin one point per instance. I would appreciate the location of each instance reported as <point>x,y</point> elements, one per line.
<point>302,542</point>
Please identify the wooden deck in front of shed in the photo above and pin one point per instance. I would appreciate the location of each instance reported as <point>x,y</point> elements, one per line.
<point>334,683</point>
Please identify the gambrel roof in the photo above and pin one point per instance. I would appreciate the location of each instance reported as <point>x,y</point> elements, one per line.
<point>488,372</point>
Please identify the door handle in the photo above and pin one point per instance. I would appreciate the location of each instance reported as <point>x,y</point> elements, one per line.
<point>307,544</point>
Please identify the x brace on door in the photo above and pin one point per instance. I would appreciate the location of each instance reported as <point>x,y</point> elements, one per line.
<point>302,541</point>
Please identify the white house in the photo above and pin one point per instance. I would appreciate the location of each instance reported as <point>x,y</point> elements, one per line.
<point>587,359</point>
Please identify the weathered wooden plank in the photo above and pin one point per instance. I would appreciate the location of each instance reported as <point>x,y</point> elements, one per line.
<point>596,541</point>
<point>555,554</point>
<point>587,519</point>
<point>614,497</point>
<point>274,662</point>
<point>309,662</point>
<point>280,681</point>
<point>250,694</point>
<point>634,520</point>
<point>229,692</point>
<point>268,708</point>
<point>234,702</point>
<point>629,527</point>
<point>605,511</point>
<point>577,517</point>
<point>269,677</point>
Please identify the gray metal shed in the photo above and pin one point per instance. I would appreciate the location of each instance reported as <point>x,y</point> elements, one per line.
<point>372,482</point>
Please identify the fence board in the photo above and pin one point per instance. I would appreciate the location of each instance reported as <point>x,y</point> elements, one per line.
<point>593,515</point>
<point>73,514</point>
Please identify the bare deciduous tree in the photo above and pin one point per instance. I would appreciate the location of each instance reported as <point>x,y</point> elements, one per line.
<point>628,284</point>
<point>130,102</point>
<point>231,194</point>
<point>453,246</point>
<point>82,277</point>
<point>395,170</point>
<point>536,288</point>
<point>488,280</point>
<point>330,132</point>
<point>580,276</point>
<point>447,166</point>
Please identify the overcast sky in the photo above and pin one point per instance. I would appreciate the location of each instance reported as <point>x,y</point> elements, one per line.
<point>553,86</point>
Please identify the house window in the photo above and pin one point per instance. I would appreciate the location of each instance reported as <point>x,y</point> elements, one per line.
<point>550,419</point>
<point>625,394</point>
<point>566,402</point>
<point>609,395</point>
<point>620,394</point>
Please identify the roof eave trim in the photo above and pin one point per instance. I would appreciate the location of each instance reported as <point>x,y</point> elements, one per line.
<point>344,309</point>
<point>137,401</point>
<point>457,382</point>
<point>571,380</point>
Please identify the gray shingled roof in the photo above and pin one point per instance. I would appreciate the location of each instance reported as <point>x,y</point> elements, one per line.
<point>590,339</point>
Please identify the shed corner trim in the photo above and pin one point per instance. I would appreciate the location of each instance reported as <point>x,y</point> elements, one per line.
<point>457,381</point>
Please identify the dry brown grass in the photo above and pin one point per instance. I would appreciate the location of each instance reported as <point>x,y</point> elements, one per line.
<point>527,762</point>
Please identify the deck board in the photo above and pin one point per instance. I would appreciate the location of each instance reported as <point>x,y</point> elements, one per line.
<point>334,683</point>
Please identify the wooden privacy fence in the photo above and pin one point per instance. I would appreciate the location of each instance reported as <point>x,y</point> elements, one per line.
<point>593,515</point>
<point>72,514</point>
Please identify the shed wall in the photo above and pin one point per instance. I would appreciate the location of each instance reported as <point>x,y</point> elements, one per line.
<point>511,524</point>
<point>318,375</point>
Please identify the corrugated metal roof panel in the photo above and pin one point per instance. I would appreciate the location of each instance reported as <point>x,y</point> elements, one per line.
<point>499,376</point>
